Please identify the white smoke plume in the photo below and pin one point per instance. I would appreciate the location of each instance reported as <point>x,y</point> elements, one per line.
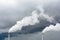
<point>52,28</point>
<point>47,17</point>
<point>31,20</point>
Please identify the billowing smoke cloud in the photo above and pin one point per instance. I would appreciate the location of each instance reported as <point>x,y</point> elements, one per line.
<point>31,20</point>
<point>48,18</point>
<point>52,28</point>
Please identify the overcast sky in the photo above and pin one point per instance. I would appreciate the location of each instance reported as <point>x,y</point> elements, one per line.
<point>13,10</point>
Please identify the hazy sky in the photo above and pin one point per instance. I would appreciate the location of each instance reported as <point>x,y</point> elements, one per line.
<point>11,11</point>
<point>14,10</point>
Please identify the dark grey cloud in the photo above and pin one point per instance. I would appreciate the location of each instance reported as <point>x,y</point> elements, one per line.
<point>53,8</point>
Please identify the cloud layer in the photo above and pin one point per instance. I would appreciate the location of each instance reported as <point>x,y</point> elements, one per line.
<point>10,14</point>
